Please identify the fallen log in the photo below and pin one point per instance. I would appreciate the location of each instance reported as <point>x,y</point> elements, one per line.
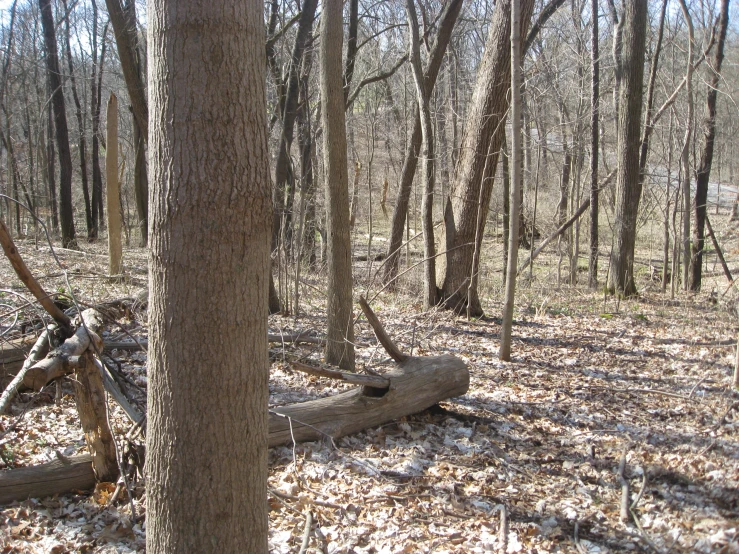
<point>61,476</point>
<point>39,350</point>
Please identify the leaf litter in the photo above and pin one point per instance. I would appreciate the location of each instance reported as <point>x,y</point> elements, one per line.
<point>540,438</point>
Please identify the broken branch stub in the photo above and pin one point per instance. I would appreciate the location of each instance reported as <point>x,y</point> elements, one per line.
<point>56,363</point>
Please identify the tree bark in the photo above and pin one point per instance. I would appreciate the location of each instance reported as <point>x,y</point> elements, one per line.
<point>60,124</point>
<point>340,333</point>
<point>703,172</point>
<point>628,184</point>
<point>482,137</point>
<point>211,218</point>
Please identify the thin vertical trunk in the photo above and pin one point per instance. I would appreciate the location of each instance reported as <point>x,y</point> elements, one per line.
<point>594,130</point>
<point>80,126</point>
<point>516,154</point>
<point>51,168</point>
<point>60,124</point>
<point>113,188</point>
<point>340,332</point>
<point>685,154</point>
<point>427,161</point>
<point>703,171</point>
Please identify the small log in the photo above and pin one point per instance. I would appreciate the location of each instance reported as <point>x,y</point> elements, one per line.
<point>56,363</point>
<point>58,477</point>
<point>387,343</point>
<point>415,385</point>
<point>89,394</point>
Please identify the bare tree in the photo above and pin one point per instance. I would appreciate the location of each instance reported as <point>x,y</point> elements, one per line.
<point>594,130</point>
<point>211,217</point>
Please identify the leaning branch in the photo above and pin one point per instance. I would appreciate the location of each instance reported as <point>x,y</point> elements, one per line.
<point>21,269</point>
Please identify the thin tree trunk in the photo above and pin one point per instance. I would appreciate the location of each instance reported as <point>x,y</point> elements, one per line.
<point>60,124</point>
<point>80,126</point>
<point>113,188</point>
<point>427,162</point>
<point>685,154</point>
<point>703,171</point>
<point>516,154</point>
<point>340,332</point>
<point>400,211</point>
<point>594,135</point>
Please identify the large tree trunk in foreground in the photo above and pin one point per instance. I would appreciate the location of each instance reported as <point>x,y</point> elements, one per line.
<point>209,233</point>
<point>482,137</point>
<point>628,184</point>
<point>703,172</point>
<point>340,332</point>
<point>60,124</point>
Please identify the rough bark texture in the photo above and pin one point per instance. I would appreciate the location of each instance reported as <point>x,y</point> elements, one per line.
<point>340,333</point>
<point>115,247</point>
<point>628,184</point>
<point>482,137</point>
<point>410,161</point>
<point>60,124</point>
<point>703,172</point>
<point>209,231</point>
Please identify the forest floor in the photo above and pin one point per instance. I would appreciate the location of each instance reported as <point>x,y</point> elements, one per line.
<point>592,381</point>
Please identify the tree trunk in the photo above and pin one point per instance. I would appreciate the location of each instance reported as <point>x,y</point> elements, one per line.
<point>628,185</point>
<point>340,333</point>
<point>113,195</point>
<point>594,130</point>
<point>124,29</point>
<point>95,86</point>
<point>516,175</point>
<point>427,161</point>
<point>400,211</point>
<point>80,127</point>
<point>482,137</point>
<point>703,171</point>
<point>284,177</point>
<point>60,124</point>
<point>685,154</point>
<point>211,223</point>
<point>140,178</point>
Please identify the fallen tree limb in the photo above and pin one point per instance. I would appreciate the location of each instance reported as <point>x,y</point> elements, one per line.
<point>58,477</point>
<point>21,269</point>
<point>719,252</point>
<point>353,378</point>
<point>56,363</point>
<point>40,348</point>
<point>566,225</point>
